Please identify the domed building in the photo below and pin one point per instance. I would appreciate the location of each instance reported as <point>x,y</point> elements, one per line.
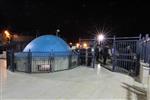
<point>47,43</point>
<point>46,53</point>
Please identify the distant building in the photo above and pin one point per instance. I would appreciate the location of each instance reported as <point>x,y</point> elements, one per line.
<point>19,42</point>
<point>15,41</point>
<point>22,38</point>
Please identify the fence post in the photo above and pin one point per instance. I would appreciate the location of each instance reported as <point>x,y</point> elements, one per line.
<point>86,57</point>
<point>7,59</point>
<point>70,61</point>
<point>147,37</point>
<point>114,57</point>
<point>29,61</point>
<point>144,57</point>
<point>93,54</point>
<point>138,54</point>
<point>142,51</point>
<point>146,47</point>
<point>11,61</point>
<point>50,61</point>
<point>139,48</point>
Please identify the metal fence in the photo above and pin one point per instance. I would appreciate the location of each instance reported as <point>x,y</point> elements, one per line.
<point>126,56</point>
<point>41,61</point>
<point>124,53</point>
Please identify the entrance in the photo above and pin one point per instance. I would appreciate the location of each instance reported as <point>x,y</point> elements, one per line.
<point>126,56</point>
<point>122,54</point>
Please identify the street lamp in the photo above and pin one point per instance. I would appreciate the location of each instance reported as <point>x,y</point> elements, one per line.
<point>57,31</point>
<point>77,45</point>
<point>7,35</point>
<point>100,37</point>
<point>70,43</point>
<point>85,45</point>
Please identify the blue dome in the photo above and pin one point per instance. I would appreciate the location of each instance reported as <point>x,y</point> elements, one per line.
<point>47,43</point>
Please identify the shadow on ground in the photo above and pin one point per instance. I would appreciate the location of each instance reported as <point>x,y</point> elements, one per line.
<point>138,91</point>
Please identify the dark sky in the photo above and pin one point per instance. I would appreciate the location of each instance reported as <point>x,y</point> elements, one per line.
<point>76,18</point>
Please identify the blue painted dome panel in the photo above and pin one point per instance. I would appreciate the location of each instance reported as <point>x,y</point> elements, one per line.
<point>47,43</point>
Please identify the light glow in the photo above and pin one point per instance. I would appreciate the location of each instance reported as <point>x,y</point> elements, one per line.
<point>7,34</point>
<point>100,37</point>
<point>85,45</point>
<point>77,45</point>
<point>70,43</point>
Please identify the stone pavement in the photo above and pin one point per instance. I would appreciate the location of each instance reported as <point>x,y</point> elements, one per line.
<point>78,83</point>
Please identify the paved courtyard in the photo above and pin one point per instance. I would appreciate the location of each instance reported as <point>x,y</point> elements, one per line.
<point>78,83</point>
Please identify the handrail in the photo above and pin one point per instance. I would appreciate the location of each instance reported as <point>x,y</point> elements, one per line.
<point>115,38</point>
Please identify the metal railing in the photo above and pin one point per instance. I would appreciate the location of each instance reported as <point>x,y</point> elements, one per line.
<point>31,62</point>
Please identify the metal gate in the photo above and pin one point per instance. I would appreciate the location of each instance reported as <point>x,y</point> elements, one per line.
<point>126,57</point>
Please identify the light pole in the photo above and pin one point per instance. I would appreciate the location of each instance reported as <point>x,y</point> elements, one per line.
<point>98,39</point>
<point>93,53</point>
<point>57,31</point>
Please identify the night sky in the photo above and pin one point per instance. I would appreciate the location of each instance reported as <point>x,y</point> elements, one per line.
<point>78,18</point>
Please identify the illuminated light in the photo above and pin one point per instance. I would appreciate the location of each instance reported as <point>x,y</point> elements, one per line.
<point>70,43</point>
<point>7,33</point>
<point>100,37</point>
<point>85,45</point>
<point>77,45</point>
<point>58,30</point>
<point>92,49</point>
<point>7,36</point>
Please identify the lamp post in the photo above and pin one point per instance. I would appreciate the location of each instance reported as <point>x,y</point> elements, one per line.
<point>99,38</point>
<point>57,31</point>
<point>93,53</point>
